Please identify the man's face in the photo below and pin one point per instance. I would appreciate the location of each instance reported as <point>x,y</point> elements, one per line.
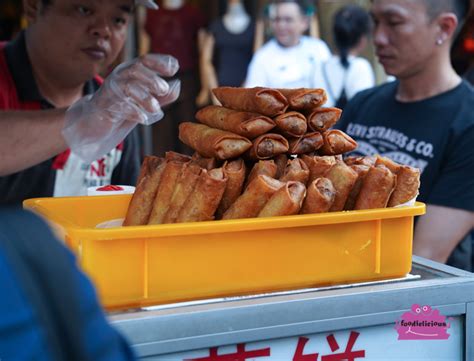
<point>82,36</point>
<point>404,36</point>
<point>288,24</point>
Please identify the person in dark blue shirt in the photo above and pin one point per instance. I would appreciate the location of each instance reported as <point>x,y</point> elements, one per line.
<point>48,309</point>
<point>424,119</point>
<point>60,132</point>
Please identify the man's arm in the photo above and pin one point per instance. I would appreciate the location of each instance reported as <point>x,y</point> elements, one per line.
<point>132,94</point>
<point>29,137</point>
<point>439,231</point>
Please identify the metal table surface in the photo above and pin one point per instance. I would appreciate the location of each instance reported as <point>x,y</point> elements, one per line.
<point>211,323</point>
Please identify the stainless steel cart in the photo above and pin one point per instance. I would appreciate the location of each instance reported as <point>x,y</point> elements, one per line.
<point>351,322</point>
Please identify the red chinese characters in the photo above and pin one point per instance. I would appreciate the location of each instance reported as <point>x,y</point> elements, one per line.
<point>242,354</point>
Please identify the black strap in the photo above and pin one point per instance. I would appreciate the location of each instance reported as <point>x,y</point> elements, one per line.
<point>341,100</point>
<point>47,278</point>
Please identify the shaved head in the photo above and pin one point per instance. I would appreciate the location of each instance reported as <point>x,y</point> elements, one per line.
<point>459,7</point>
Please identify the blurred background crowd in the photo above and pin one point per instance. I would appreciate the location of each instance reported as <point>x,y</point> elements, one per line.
<point>215,40</point>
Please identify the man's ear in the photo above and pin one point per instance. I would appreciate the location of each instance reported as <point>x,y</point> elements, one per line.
<point>447,24</point>
<point>30,9</point>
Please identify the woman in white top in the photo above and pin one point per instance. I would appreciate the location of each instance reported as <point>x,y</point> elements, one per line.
<point>345,74</point>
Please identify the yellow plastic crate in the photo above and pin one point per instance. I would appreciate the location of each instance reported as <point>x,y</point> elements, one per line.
<point>146,265</point>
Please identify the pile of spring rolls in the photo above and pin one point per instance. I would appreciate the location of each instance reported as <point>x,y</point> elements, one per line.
<point>261,123</point>
<point>265,152</point>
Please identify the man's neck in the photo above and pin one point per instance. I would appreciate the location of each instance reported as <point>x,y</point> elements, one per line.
<point>60,94</point>
<point>435,79</point>
<point>288,46</point>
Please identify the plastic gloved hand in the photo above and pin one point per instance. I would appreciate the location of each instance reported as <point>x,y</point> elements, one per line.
<point>133,93</point>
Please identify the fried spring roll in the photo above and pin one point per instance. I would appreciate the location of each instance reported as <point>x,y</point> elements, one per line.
<point>304,99</point>
<point>246,124</point>
<point>213,143</point>
<point>369,160</point>
<point>361,171</point>
<point>280,161</point>
<point>318,166</point>
<point>321,119</point>
<point>286,201</point>
<point>269,102</point>
<point>202,203</point>
<point>141,203</point>
<point>377,188</point>
<point>234,171</point>
<point>337,142</point>
<point>254,198</point>
<point>308,143</point>
<point>343,179</point>
<point>178,157</point>
<point>268,146</point>
<point>165,190</point>
<point>149,164</point>
<point>390,164</point>
<point>184,187</point>
<point>408,184</point>
<point>320,196</point>
<point>408,181</point>
<point>291,124</point>
<point>296,170</point>
<point>206,163</point>
<point>262,167</point>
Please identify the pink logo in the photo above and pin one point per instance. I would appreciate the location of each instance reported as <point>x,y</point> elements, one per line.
<point>422,323</point>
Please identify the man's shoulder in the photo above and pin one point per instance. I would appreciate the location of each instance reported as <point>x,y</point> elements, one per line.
<point>465,109</point>
<point>315,42</point>
<point>367,103</point>
<point>270,46</point>
<point>468,93</point>
<point>267,50</point>
<point>312,40</point>
<point>378,93</point>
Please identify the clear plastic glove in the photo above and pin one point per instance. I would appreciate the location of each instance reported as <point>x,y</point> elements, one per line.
<point>133,93</point>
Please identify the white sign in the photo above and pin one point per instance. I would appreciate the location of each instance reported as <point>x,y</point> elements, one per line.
<point>371,343</point>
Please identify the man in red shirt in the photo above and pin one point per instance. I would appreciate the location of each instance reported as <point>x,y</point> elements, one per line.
<point>52,65</point>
